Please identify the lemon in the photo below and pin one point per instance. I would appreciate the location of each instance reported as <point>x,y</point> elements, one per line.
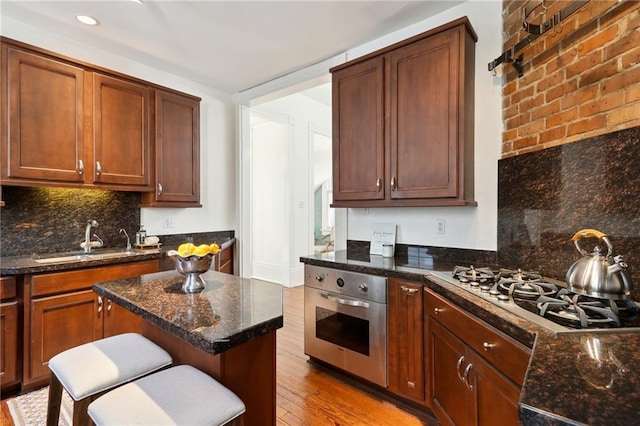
<point>214,248</point>
<point>186,249</point>
<point>201,250</point>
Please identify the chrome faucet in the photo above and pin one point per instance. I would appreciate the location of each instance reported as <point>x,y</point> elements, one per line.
<point>123,231</point>
<point>87,244</point>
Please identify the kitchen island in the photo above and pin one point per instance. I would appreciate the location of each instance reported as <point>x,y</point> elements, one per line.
<point>228,330</point>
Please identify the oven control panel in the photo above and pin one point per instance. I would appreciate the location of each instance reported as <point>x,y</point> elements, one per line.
<point>362,286</point>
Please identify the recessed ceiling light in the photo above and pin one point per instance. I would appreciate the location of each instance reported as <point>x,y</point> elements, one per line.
<point>88,20</point>
<point>137,1</point>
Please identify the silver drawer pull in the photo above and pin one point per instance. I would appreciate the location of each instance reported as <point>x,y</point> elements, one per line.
<point>408,289</point>
<point>98,168</point>
<point>460,361</point>
<point>466,377</point>
<point>80,167</point>
<point>99,304</point>
<point>437,310</point>
<point>487,346</point>
<point>379,184</point>
<point>159,189</point>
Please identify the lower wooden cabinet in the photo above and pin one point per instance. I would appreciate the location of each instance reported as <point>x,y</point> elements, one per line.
<point>225,260</point>
<point>61,311</point>
<point>405,337</point>
<point>476,372</point>
<point>9,349</point>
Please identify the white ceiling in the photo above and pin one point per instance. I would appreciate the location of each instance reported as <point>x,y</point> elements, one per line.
<point>229,45</point>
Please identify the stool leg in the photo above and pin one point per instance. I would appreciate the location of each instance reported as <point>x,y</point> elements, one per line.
<point>80,412</point>
<point>55,398</point>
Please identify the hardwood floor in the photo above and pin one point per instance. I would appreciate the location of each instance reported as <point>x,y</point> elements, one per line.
<point>312,395</point>
<point>308,394</point>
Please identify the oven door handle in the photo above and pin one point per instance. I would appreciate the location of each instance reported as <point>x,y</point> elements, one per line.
<point>357,303</point>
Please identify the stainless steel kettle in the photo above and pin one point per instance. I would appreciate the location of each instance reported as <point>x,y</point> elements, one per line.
<point>598,275</point>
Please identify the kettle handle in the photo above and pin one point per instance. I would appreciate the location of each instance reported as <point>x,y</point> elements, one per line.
<point>591,233</point>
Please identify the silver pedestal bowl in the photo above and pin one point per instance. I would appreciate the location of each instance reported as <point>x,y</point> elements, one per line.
<point>192,267</point>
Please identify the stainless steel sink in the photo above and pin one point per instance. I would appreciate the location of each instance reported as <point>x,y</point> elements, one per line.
<point>83,257</point>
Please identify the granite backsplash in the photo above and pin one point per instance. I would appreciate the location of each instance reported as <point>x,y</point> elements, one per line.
<point>48,220</point>
<point>544,197</point>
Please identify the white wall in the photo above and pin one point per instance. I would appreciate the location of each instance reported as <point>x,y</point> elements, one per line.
<point>466,227</point>
<point>217,133</point>
<point>303,115</point>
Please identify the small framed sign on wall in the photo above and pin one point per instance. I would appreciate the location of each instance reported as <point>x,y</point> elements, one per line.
<point>382,234</point>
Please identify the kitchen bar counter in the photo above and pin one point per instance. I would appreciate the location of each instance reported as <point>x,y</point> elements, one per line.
<point>227,330</point>
<point>563,384</point>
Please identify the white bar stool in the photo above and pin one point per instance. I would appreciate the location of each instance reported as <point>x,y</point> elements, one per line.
<point>181,395</point>
<point>89,370</point>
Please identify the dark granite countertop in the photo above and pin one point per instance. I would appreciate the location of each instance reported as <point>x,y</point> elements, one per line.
<point>563,384</point>
<point>228,312</point>
<point>18,265</point>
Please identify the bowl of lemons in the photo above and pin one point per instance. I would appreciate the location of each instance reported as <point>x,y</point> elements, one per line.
<point>192,261</point>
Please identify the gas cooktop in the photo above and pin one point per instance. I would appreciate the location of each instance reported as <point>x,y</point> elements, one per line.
<point>545,302</point>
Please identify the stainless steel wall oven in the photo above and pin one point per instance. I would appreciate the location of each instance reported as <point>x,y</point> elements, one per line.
<point>346,321</point>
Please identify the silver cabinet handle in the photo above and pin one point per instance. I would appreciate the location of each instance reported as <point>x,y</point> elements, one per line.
<point>80,167</point>
<point>466,376</point>
<point>159,188</point>
<point>108,305</point>
<point>98,168</point>
<point>379,184</point>
<point>460,361</point>
<point>408,289</point>
<point>437,310</point>
<point>487,346</point>
<point>393,183</point>
<point>99,304</point>
<point>356,303</point>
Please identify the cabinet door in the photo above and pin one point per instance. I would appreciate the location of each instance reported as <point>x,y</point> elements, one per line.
<point>496,398</point>
<point>406,356</point>
<point>43,117</point>
<point>121,132</point>
<point>424,84</point>
<point>57,324</point>
<point>358,132</point>
<point>116,319</point>
<point>450,399</point>
<point>9,343</point>
<point>177,156</point>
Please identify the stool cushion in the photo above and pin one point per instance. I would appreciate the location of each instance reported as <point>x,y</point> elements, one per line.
<point>98,366</point>
<point>179,395</point>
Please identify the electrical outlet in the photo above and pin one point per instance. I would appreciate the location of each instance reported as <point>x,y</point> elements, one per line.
<point>169,222</point>
<point>440,226</point>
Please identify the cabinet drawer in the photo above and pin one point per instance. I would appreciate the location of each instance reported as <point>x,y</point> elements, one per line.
<point>506,354</point>
<point>60,282</point>
<point>7,288</point>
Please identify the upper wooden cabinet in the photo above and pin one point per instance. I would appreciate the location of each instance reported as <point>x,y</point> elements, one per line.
<point>43,118</point>
<point>403,122</point>
<point>73,124</point>
<point>177,152</point>
<point>121,147</point>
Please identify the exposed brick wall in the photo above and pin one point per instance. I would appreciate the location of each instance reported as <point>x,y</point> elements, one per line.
<point>579,82</point>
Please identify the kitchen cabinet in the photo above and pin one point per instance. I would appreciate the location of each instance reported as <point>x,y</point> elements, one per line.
<point>61,311</point>
<point>121,143</point>
<point>405,336</point>
<point>224,261</point>
<point>69,125</point>
<point>177,152</point>
<point>9,344</point>
<point>403,122</point>
<point>43,117</point>
<point>476,371</point>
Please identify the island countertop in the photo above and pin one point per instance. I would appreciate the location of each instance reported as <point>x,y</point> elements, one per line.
<point>228,312</point>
